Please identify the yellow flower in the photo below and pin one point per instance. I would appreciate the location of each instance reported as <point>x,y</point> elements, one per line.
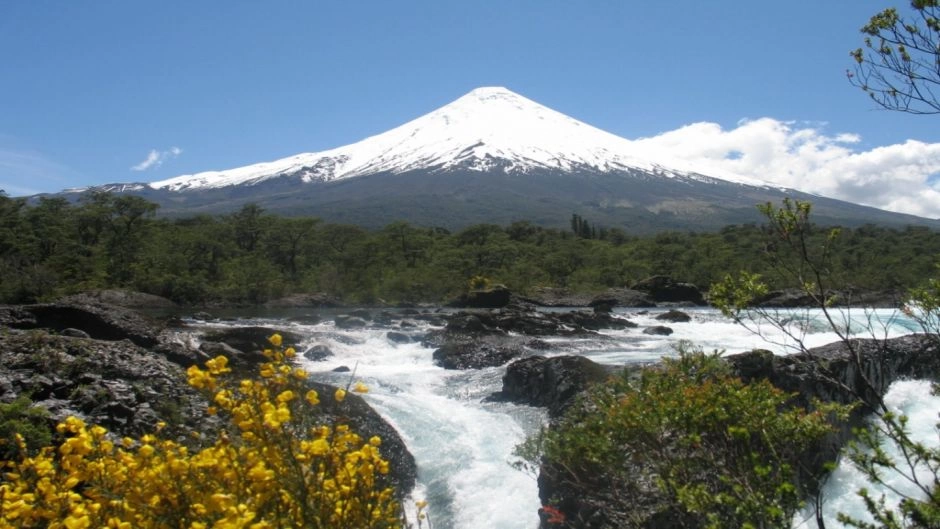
<point>275,340</point>
<point>360,388</point>
<point>312,397</point>
<point>340,395</point>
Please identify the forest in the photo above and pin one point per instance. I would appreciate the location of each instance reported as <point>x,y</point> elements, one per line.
<point>51,247</point>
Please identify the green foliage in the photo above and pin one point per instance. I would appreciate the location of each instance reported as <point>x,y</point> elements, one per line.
<point>809,262</point>
<point>719,449</point>
<point>53,248</point>
<point>898,65</point>
<point>21,417</point>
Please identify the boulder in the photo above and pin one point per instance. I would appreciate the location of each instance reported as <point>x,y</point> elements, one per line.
<point>665,289</point>
<point>397,337</point>
<point>549,382</point>
<point>658,330</point>
<point>674,316</point>
<point>366,422</point>
<point>477,354</point>
<point>318,352</point>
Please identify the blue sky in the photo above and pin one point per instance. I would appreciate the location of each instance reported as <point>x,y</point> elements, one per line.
<point>115,91</point>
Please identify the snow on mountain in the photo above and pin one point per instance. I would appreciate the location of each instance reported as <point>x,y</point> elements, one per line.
<point>488,128</point>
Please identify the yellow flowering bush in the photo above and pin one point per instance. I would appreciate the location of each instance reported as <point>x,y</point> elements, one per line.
<point>271,467</point>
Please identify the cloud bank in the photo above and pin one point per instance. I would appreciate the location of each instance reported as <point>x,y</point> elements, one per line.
<point>156,158</point>
<point>903,177</point>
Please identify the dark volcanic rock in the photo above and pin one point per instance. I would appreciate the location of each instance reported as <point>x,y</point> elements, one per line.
<point>675,316</point>
<point>477,354</point>
<point>665,289</point>
<point>549,382</point>
<point>491,338</point>
<point>318,352</point>
<point>658,330</point>
<point>397,337</point>
<point>362,419</point>
<point>249,342</point>
<point>116,384</point>
<point>102,322</point>
<point>492,298</point>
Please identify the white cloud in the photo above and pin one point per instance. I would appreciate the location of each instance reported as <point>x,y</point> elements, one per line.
<point>900,177</point>
<point>156,158</point>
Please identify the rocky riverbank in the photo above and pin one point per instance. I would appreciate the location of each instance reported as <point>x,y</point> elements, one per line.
<point>114,367</point>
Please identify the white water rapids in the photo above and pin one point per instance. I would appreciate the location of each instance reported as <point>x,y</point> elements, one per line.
<point>463,445</point>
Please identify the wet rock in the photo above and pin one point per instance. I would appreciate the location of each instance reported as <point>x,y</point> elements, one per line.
<point>476,354</point>
<point>397,337</point>
<point>318,352</point>
<point>366,422</point>
<point>245,344</point>
<point>674,316</point>
<point>549,382</point>
<point>658,330</point>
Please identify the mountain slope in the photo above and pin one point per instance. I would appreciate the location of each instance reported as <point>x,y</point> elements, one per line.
<point>487,129</point>
<point>491,156</point>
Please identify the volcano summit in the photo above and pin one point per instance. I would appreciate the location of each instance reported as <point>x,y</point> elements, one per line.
<point>491,156</point>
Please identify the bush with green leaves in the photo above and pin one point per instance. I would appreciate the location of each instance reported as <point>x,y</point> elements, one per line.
<point>796,256</point>
<point>718,450</point>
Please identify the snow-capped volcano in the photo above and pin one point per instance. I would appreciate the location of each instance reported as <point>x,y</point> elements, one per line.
<point>488,128</point>
<point>494,157</point>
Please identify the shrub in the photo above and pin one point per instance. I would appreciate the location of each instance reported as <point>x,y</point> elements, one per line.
<point>715,448</point>
<point>271,467</point>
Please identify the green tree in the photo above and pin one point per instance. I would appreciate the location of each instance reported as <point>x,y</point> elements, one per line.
<point>899,65</point>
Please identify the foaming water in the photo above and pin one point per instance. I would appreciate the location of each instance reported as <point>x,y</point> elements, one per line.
<point>909,397</point>
<point>463,445</point>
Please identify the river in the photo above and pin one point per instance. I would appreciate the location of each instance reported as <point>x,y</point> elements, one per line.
<point>463,444</point>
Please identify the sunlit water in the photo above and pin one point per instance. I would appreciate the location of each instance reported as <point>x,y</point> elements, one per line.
<point>463,445</point>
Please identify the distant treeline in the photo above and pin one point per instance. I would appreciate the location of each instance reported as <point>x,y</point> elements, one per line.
<point>55,248</point>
